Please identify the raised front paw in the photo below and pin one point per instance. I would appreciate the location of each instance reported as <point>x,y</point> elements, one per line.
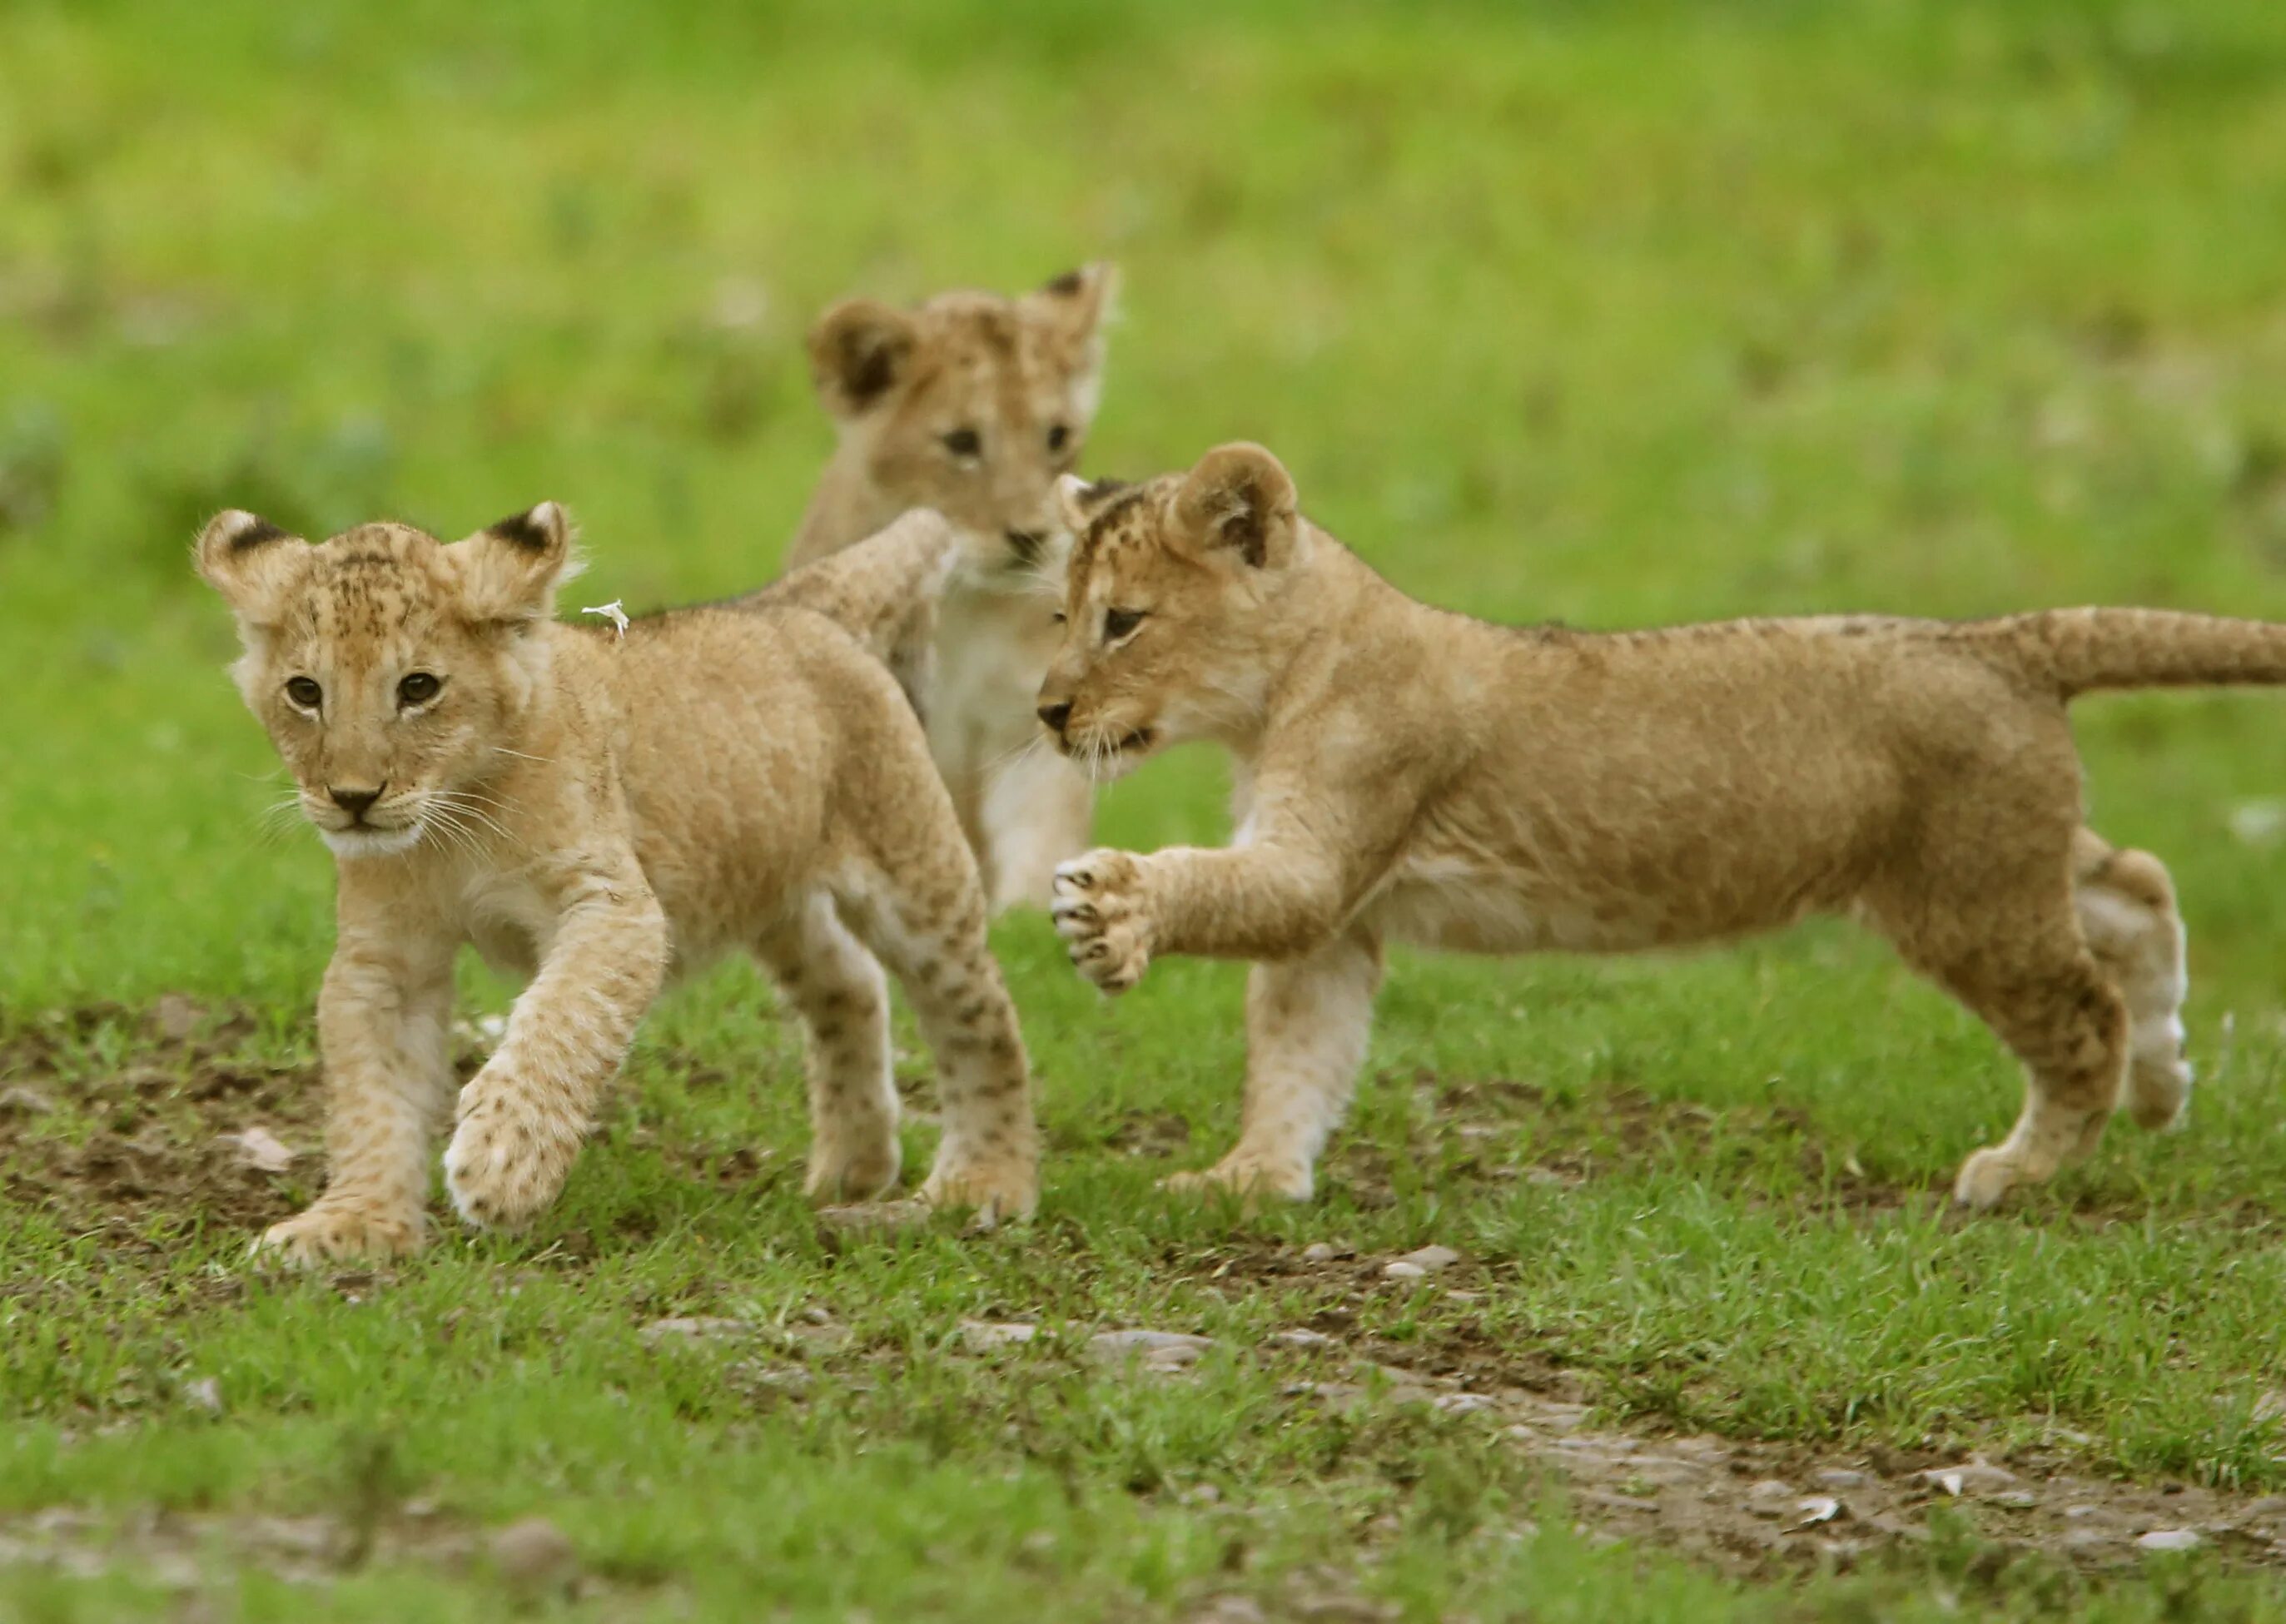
<point>509,1157</point>
<point>346,1226</point>
<point>1097,908</point>
<point>994,1189</point>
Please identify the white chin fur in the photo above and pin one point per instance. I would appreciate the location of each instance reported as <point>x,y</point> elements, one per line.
<point>371,842</point>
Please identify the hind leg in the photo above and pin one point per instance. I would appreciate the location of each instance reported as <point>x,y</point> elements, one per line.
<point>838,988</point>
<point>2015,957</point>
<point>919,907</point>
<point>2126,907</point>
<point>2069,1025</point>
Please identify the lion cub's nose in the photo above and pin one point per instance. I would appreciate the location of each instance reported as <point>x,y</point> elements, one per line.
<point>1025,544</point>
<point>1055,716</point>
<point>353,801</point>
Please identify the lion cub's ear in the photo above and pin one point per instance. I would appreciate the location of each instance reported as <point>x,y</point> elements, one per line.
<point>245,557</point>
<point>1079,304</point>
<point>508,572</point>
<point>859,352</point>
<point>1078,500</point>
<point>1238,498</point>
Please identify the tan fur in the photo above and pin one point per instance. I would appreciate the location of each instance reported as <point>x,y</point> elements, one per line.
<point>1409,774</point>
<point>1011,372</point>
<point>596,810</point>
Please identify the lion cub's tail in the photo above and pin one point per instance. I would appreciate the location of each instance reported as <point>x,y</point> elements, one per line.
<point>883,591</point>
<point>2076,650</point>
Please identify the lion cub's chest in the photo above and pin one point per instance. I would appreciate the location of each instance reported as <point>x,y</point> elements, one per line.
<point>509,924</point>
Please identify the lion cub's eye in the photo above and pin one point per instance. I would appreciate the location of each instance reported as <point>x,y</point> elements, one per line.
<point>964,443</point>
<point>1118,622</point>
<point>1059,437</point>
<point>305,692</point>
<point>418,688</point>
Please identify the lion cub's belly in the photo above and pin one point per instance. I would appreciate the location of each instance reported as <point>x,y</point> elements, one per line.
<point>1471,907</point>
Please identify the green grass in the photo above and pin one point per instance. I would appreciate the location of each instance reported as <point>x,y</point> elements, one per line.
<point>1613,313</point>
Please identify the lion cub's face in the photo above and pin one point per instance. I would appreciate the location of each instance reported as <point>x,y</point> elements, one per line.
<point>1169,628</point>
<point>388,666</point>
<point>970,404</point>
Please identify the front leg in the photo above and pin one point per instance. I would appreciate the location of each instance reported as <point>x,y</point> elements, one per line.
<point>1307,1020</point>
<point>523,1116</point>
<point>384,1016</point>
<point>1101,910</point>
<point>1116,911</point>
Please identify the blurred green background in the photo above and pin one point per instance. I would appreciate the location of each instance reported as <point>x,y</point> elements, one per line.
<point>1610,312</point>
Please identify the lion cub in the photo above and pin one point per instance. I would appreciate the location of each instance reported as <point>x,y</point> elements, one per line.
<point>1409,774</point>
<point>974,405</point>
<point>594,808</point>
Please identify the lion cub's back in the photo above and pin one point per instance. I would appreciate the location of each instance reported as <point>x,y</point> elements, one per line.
<point>732,733</point>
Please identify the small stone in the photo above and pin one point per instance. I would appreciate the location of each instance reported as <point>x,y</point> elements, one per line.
<point>1418,1265</point>
<point>1771,1497</point>
<point>203,1394</point>
<point>535,1556</point>
<point>1301,1338</point>
<point>1316,1251</point>
<point>261,1150</point>
<point>1841,1478</point>
<point>175,1017</point>
<point>1465,1403</point>
<point>1817,1508</point>
<point>693,1328</point>
<point>2268,1407</point>
<point>2014,1500</point>
<point>872,1218</point>
<point>1974,1476</point>
<point>779,1378</point>
<point>982,1336</point>
<point>1231,1610</point>
<point>1160,1350</point>
<point>2170,1539</point>
<point>21,1101</point>
<point>1341,1610</point>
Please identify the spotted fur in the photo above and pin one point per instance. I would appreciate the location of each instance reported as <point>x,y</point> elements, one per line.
<point>900,384</point>
<point>595,813</point>
<point>1407,774</point>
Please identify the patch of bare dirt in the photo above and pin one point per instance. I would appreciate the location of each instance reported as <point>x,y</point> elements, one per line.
<point>531,1560</point>
<point>1747,1505</point>
<point>167,1153</point>
<point>186,1130</point>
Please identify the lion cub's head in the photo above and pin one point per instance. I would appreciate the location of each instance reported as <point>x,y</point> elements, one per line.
<point>389,667</point>
<point>972,405</point>
<point>1171,627</point>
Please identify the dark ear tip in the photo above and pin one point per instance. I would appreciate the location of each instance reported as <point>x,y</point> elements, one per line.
<point>535,529</point>
<point>1066,285</point>
<point>259,534</point>
<point>236,531</point>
